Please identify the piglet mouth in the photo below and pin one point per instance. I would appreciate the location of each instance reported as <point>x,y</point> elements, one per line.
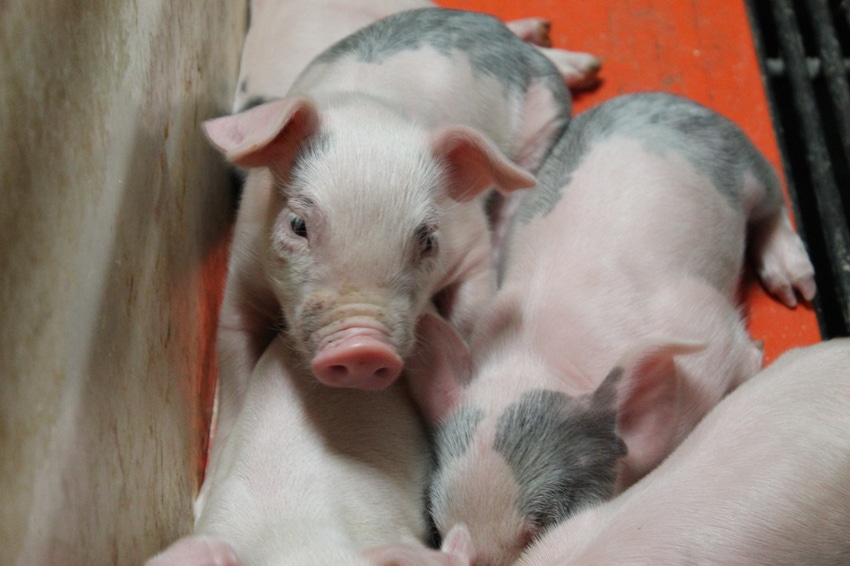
<point>356,352</point>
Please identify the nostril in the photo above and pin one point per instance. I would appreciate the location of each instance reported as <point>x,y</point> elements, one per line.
<point>360,373</point>
<point>337,372</point>
<point>359,360</point>
<point>382,373</point>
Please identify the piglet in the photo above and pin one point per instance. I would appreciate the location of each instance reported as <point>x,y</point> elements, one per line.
<point>763,479</point>
<point>313,476</point>
<point>615,327</point>
<point>283,36</point>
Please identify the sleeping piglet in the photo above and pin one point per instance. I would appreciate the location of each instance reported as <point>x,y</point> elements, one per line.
<point>372,167</point>
<point>616,325</point>
<point>763,479</point>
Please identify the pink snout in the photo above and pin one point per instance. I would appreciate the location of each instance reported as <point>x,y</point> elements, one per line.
<point>360,359</point>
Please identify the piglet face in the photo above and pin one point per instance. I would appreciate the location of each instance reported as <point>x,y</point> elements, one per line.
<point>356,243</point>
<point>354,252</point>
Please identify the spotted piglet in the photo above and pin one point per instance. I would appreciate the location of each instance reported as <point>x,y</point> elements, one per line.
<point>615,327</point>
<point>763,479</point>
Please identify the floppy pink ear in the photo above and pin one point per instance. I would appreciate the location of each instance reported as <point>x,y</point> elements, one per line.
<point>458,543</point>
<point>474,164</point>
<point>644,389</point>
<point>439,366</point>
<point>266,134</point>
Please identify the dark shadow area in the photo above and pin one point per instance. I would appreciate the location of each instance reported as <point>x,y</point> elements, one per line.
<point>793,38</point>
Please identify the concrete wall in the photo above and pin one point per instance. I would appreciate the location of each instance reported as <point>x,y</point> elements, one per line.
<point>114,216</point>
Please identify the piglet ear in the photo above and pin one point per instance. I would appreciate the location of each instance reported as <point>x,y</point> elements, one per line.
<point>644,391</point>
<point>458,543</point>
<point>474,164</point>
<point>439,366</point>
<point>265,134</point>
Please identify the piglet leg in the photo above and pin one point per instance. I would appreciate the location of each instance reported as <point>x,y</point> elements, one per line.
<point>781,261</point>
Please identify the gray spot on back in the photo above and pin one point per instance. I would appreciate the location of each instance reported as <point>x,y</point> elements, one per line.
<point>491,47</point>
<point>453,437</point>
<point>665,124</point>
<point>563,453</point>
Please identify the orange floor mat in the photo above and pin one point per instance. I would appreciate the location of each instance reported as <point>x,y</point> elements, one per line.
<point>703,50</point>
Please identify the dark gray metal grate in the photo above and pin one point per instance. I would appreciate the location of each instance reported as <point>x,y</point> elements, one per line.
<point>803,47</point>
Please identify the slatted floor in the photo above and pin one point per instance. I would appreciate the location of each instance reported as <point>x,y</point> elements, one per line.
<point>700,49</point>
<point>805,52</point>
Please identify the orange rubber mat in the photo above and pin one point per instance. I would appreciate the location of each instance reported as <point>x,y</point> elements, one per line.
<point>702,50</point>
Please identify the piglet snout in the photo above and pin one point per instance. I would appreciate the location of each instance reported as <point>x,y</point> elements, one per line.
<point>357,357</point>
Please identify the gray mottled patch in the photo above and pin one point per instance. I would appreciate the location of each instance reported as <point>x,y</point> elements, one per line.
<point>665,124</point>
<point>563,453</point>
<point>491,47</point>
<point>605,396</point>
<point>453,438</point>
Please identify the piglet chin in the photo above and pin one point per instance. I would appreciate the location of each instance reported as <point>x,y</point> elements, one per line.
<point>359,358</point>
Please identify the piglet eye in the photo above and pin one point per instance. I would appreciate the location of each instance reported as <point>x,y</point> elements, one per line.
<point>298,225</point>
<point>426,238</point>
<point>429,244</point>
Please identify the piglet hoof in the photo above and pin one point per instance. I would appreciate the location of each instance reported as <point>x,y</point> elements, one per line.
<point>782,264</point>
<point>579,70</point>
<point>781,280</point>
<point>782,287</point>
<point>532,30</point>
